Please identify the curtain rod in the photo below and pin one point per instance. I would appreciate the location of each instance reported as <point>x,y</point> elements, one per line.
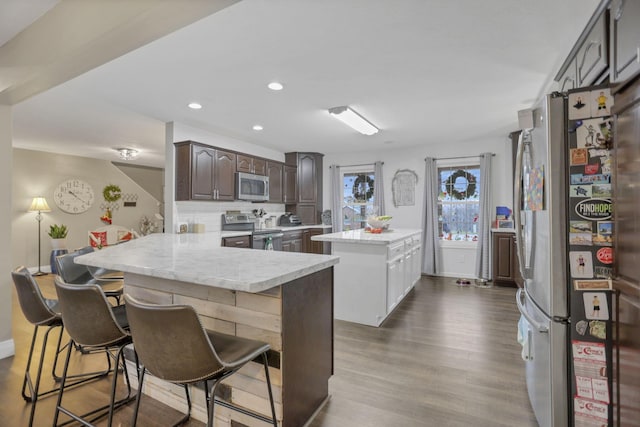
<point>350,166</point>
<point>460,157</point>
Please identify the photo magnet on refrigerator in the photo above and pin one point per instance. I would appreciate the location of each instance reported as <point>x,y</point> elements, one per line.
<point>595,306</point>
<point>579,105</point>
<point>581,264</point>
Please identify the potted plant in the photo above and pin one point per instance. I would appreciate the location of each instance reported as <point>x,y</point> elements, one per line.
<point>58,234</point>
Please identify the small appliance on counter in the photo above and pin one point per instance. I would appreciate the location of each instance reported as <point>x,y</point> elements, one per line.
<point>289,220</point>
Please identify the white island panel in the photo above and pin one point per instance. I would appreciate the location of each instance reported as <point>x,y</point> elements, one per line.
<point>375,273</point>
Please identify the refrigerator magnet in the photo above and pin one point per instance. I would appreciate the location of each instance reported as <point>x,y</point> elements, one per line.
<point>604,233</point>
<point>580,227</point>
<point>580,191</point>
<point>579,156</point>
<point>593,133</point>
<point>595,308</point>
<point>590,285</point>
<point>584,239</point>
<point>581,264</point>
<point>601,102</point>
<point>580,105</point>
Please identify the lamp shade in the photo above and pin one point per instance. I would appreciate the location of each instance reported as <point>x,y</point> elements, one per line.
<point>351,118</point>
<point>39,204</point>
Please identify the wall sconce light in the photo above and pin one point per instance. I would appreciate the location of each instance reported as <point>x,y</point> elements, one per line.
<point>349,117</point>
<point>127,153</point>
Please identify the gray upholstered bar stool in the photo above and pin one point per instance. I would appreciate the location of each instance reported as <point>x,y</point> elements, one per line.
<point>44,312</point>
<point>93,323</point>
<point>172,345</point>
<point>78,274</point>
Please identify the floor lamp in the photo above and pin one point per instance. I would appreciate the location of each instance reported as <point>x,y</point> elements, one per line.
<point>39,204</point>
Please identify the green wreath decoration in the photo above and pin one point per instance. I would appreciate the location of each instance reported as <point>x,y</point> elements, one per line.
<point>451,182</point>
<point>356,187</point>
<point>111,193</point>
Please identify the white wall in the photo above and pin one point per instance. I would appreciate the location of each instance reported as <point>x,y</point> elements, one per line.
<point>7,347</point>
<point>38,173</point>
<point>456,262</point>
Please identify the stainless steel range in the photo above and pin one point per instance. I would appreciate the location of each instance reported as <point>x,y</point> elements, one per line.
<point>265,238</point>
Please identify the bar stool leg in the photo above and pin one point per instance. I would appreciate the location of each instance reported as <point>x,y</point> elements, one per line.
<point>266,373</point>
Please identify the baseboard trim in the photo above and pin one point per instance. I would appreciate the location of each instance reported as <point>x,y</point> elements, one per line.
<point>7,349</point>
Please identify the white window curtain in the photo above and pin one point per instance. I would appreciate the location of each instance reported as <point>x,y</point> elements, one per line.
<point>378,189</point>
<point>483,257</point>
<point>431,253</point>
<point>336,198</point>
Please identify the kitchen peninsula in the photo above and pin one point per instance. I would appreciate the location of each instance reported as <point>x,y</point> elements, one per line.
<point>285,299</point>
<point>375,273</point>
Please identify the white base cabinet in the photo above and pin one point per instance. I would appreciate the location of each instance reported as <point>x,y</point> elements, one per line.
<point>374,276</point>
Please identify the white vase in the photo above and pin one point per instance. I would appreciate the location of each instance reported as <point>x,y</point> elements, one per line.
<point>58,244</point>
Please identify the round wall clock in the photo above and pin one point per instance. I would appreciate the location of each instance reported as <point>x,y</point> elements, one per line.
<point>73,196</point>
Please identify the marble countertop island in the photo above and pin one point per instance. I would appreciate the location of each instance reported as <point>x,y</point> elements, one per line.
<point>198,258</point>
<point>361,236</point>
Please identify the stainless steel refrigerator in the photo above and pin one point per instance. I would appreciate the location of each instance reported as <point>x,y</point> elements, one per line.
<point>558,262</point>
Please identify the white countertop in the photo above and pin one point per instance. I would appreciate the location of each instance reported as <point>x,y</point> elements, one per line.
<point>198,258</point>
<point>362,237</point>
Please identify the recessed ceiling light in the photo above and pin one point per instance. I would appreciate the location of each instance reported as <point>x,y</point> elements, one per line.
<point>257,127</point>
<point>275,86</point>
<point>195,106</point>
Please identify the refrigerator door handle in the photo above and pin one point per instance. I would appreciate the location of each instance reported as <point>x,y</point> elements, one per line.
<point>517,202</point>
<point>538,326</point>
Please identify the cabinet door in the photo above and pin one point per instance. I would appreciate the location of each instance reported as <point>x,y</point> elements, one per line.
<point>290,184</point>
<point>592,59</point>
<point>312,246</point>
<point>287,247</point>
<point>307,189</point>
<point>296,245</point>
<point>244,163</point>
<point>259,166</point>
<point>502,257</point>
<point>307,214</point>
<point>625,39</point>
<point>274,172</point>
<point>225,170</point>
<point>203,161</point>
<point>569,79</point>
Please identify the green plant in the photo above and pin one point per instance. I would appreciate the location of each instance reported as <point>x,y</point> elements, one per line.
<point>58,231</point>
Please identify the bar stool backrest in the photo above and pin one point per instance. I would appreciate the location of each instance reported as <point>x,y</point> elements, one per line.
<point>70,271</point>
<point>37,309</point>
<point>171,342</point>
<point>87,315</point>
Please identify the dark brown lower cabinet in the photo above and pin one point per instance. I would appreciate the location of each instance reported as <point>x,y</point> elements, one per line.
<point>237,242</point>
<point>292,241</point>
<point>505,260</point>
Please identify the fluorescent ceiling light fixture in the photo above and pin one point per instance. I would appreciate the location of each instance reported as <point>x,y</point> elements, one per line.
<point>349,117</point>
<point>275,86</point>
<point>127,153</point>
<point>257,127</point>
<point>195,106</point>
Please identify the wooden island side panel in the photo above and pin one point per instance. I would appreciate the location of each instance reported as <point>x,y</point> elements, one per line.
<point>295,318</point>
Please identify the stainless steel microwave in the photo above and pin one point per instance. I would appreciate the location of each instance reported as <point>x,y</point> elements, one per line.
<point>252,187</point>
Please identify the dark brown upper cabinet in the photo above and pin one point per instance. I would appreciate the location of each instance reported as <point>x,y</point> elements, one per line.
<point>275,172</point>
<point>251,164</point>
<point>204,172</point>
<point>308,202</point>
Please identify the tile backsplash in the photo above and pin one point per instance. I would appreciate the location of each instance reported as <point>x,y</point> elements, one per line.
<point>210,213</point>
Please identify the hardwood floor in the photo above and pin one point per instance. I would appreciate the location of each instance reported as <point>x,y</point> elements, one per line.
<point>447,356</point>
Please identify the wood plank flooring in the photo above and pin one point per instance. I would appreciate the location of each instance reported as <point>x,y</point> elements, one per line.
<point>447,356</point>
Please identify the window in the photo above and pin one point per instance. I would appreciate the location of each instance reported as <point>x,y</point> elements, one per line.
<point>357,200</point>
<point>458,202</point>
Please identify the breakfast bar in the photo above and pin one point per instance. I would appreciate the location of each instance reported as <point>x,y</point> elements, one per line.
<point>375,273</point>
<point>283,298</point>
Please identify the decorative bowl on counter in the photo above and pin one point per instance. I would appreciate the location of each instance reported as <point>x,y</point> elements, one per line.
<point>379,221</point>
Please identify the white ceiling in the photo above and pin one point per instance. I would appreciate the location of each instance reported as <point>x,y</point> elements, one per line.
<point>425,72</point>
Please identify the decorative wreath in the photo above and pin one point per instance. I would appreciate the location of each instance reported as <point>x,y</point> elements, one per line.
<point>368,193</point>
<point>451,182</point>
<point>111,193</point>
